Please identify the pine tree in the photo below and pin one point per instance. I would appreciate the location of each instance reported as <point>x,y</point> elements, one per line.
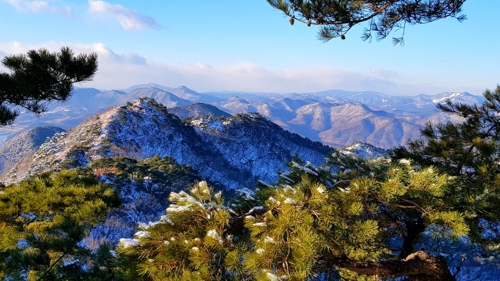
<point>337,17</point>
<point>43,221</point>
<point>365,222</point>
<point>39,77</point>
<point>470,151</point>
<point>190,242</point>
<point>368,225</point>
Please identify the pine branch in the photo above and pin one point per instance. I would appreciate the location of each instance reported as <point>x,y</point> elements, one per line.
<point>236,223</point>
<point>418,264</point>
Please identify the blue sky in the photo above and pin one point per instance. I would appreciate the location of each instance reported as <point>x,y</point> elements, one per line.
<point>247,45</point>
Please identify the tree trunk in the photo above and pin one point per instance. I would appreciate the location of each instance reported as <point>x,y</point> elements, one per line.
<point>418,266</point>
<point>413,231</point>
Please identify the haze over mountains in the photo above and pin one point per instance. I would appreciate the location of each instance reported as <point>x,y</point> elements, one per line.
<point>336,118</point>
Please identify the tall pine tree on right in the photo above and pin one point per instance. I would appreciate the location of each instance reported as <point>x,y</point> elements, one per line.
<point>469,151</point>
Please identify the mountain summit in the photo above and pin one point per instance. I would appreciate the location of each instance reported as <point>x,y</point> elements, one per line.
<point>231,151</point>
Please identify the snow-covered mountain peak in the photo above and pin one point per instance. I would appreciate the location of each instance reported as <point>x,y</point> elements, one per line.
<point>364,150</point>
<point>233,151</point>
<point>451,96</point>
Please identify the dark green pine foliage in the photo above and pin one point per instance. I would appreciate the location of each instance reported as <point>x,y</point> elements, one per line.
<point>470,151</point>
<point>39,77</point>
<point>163,171</point>
<point>42,221</point>
<point>337,17</point>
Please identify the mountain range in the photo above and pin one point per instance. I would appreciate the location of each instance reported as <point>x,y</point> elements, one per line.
<point>232,152</point>
<point>232,140</point>
<point>145,150</point>
<point>336,118</point>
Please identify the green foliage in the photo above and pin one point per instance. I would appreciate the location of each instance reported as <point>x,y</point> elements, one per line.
<point>301,229</point>
<point>165,172</point>
<point>40,77</point>
<point>189,242</point>
<point>469,147</point>
<point>469,151</point>
<point>43,219</point>
<point>337,17</point>
<point>76,157</point>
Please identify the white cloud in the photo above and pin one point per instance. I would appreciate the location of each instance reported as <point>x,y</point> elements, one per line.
<point>12,48</point>
<point>383,73</point>
<point>119,71</point>
<point>128,19</point>
<point>39,6</point>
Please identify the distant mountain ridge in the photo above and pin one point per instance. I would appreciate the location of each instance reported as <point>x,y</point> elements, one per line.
<point>166,98</point>
<point>384,121</point>
<point>198,110</point>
